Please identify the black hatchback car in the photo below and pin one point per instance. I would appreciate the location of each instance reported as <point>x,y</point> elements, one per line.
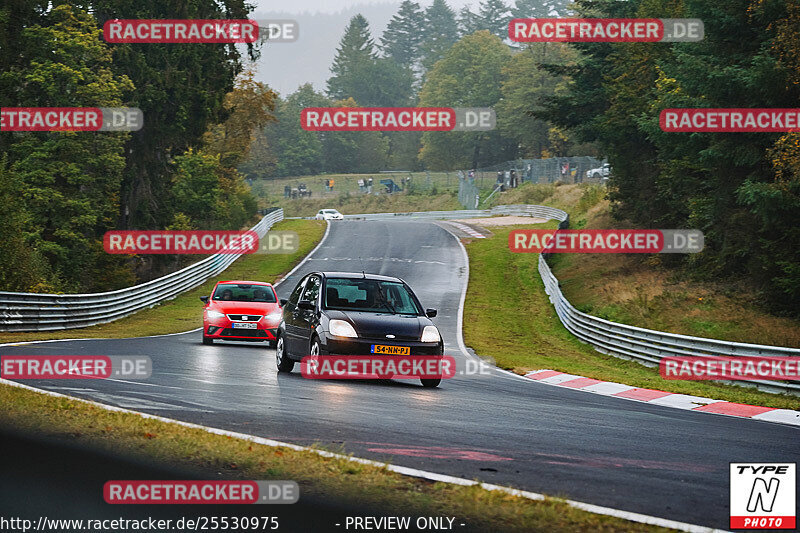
<point>346,313</point>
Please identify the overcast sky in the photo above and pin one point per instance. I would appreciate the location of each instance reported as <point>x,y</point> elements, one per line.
<point>332,6</point>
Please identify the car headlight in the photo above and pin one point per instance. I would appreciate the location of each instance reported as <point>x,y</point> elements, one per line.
<point>275,316</point>
<point>342,328</point>
<point>430,334</point>
<point>214,314</point>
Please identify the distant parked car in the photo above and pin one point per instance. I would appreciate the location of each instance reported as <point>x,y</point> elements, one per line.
<point>329,214</point>
<point>599,173</point>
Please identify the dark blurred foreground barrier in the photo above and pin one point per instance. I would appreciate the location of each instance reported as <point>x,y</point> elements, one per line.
<point>54,479</point>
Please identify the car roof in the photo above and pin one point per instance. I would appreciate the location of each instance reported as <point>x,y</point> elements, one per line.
<point>242,282</point>
<point>357,275</point>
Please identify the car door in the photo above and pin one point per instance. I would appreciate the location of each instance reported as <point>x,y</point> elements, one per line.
<point>305,319</point>
<point>290,317</point>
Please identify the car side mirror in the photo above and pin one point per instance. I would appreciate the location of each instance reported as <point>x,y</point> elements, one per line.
<point>430,313</point>
<point>204,299</point>
<point>283,302</point>
<point>308,305</point>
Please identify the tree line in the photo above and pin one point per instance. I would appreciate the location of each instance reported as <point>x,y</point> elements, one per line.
<point>741,189</point>
<point>425,57</point>
<point>61,191</point>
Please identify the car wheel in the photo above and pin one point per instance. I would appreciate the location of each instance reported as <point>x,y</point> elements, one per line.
<point>431,382</point>
<point>207,340</point>
<point>281,358</point>
<point>596,176</point>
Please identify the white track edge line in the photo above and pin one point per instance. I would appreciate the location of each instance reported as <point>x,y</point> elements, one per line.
<point>403,470</point>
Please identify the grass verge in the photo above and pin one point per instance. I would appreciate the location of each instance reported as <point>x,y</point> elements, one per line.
<point>366,203</point>
<point>652,290</point>
<point>184,311</point>
<point>335,479</point>
<point>531,337</point>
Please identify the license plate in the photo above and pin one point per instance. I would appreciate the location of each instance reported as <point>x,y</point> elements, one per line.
<point>244,325</point>
<point>390,350</point>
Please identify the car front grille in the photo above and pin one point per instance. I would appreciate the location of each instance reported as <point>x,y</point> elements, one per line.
<point>245,318</point>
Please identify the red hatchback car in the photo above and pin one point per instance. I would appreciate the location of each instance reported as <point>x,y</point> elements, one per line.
<point>241,311</point>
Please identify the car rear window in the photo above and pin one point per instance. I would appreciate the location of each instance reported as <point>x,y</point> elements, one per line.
<point>244,293</point>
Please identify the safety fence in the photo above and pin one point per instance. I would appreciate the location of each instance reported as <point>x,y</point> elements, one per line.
<point>43,312</point>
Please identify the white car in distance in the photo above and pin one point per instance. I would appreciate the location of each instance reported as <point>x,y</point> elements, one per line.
<point>600,173</point>
<point>329,214</point>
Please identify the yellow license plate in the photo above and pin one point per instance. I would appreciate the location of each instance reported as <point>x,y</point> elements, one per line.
<point>391,350</point>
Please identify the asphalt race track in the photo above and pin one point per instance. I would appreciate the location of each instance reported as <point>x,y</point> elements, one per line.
<point>497,428</point>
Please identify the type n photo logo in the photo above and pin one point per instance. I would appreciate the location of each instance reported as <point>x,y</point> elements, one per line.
<point>763,495</point>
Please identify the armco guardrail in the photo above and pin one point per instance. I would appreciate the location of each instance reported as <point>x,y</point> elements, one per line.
<point>649,346</point>
<point>44,312</point>
<point>539,211</point>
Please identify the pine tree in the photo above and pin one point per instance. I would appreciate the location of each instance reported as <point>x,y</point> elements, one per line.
<point>493,16</point>
<point>524,9</point>
<point>403,36</point>
<point>356,49</point>
<point>467,21</point>
<point>441,32</point>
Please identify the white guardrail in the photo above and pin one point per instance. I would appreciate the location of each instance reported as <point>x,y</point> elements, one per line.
<point>45,312</point>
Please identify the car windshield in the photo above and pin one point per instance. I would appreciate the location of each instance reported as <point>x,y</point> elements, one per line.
<point>241,292</point>
<point>369,295</point>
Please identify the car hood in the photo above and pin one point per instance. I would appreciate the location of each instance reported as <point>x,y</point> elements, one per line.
<point>378,325</point>
<point>245,308</point>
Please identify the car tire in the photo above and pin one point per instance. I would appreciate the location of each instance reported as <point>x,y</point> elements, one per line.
<point>282,360</point>
<point>430,383</point>
<point>207,340</point>
<point>596,176</point>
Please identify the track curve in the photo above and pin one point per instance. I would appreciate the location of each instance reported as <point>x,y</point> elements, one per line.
<point>497,428</point>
